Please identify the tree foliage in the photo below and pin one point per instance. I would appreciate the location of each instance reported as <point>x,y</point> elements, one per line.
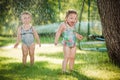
<point>43,11</point>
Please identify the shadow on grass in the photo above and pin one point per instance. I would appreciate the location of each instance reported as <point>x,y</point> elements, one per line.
<point>39,71</point>
<point>80,76</point>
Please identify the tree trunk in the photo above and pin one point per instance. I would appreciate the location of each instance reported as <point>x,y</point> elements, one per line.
<point>109,11</point>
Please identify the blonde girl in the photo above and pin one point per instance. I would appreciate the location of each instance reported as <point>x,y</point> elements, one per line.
<point>27,34</point>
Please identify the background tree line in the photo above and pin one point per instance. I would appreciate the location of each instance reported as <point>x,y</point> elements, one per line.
<point>43,11</point>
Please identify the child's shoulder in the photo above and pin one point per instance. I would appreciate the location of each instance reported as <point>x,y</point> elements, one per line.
<point>20,27</point>
<point>62,24</point>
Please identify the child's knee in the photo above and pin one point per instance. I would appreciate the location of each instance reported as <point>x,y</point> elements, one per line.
<point>71,58</point>
<point>31,55</point>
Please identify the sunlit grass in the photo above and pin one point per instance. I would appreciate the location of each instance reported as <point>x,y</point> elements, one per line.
<point>89,65</point>
<point>93,44</point>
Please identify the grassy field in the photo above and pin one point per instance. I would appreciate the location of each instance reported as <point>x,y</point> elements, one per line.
<point>7,40</point>
<point>89,65</point>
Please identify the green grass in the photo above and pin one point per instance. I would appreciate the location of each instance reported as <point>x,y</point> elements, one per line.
<point>43,39</point>
<point>47,38</point>
<point>93,44</point>
<point>89,65</point>
<point>6,40</point>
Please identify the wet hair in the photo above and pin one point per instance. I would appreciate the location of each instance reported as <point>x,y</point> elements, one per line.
<point>70,12</point>
<point>26,12</point>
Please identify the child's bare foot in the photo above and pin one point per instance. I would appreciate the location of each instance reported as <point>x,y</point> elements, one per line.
<point>65,72</point>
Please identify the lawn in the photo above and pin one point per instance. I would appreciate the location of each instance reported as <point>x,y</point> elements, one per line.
<point>89,65</point>
<point>6,40</point>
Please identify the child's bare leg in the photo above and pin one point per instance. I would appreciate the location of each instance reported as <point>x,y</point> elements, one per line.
<point>72,58</point>
<point>31,53</point>
<point>66,51</point>
<point>25,53</point>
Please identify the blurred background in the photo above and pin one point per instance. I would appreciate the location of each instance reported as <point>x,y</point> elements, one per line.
<point>47,15</point>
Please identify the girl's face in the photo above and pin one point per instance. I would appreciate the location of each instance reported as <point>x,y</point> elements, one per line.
<point>71,19</point>
<point>26,18</point>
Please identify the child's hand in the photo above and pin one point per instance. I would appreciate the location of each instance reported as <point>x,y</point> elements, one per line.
<point>39,45</point>
<point>80,37</point>
<point>55,43</point>
<point>15,46</point>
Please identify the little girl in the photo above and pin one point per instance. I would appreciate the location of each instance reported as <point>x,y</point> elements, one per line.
<point>67,28</point>
<point>27,33</point>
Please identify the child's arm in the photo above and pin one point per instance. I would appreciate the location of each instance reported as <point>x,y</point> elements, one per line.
<point>79,37</point>
<point>58,33</point>
<point>18,37</point>
<point>36,36</point>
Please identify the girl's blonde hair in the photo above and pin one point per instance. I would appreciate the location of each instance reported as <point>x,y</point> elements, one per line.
<point>26,12</point>
<point>70,12</point>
